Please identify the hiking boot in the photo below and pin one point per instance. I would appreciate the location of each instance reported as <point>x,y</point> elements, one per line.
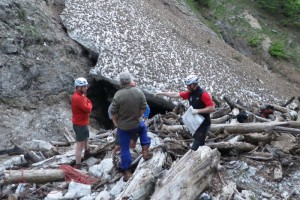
<point>127,175</point>
<point>87,154</point>
<point>146,153</point>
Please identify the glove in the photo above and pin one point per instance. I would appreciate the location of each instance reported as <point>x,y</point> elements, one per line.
<point>195,111</point>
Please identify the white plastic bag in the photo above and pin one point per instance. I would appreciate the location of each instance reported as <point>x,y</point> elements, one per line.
<point>192,122</point>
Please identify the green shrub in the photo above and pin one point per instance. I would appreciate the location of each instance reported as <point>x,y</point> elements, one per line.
<point>276,49</point>
<point>288,8</point>
<point>255,41</point>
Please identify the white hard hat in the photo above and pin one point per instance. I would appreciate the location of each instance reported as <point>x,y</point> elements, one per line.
<point>81,82</point>
<point>191,79</point>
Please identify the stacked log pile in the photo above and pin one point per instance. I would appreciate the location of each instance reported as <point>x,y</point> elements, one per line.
<point>174,172</point>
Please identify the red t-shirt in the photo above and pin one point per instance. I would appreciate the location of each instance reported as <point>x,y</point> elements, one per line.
<point>81,109</point>
<point>205,98</point>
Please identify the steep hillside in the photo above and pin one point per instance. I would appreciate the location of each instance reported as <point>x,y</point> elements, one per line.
<point>251,30</point>
<point>161,42</point>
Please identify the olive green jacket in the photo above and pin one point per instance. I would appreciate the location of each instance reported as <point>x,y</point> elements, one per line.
<point>128,104</point>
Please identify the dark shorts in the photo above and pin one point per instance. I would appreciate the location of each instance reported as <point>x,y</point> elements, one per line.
<point>81,132</point>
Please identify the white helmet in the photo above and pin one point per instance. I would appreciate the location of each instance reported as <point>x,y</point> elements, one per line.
<point>191,79</point>
<point>81,82</point>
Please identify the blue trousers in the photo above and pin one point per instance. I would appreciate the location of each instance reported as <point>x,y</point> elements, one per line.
<point>124,140</point>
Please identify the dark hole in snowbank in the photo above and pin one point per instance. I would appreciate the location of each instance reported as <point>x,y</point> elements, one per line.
<point>101,94</point>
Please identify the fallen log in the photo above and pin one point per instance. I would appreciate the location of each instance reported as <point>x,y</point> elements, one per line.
<point>60,143</point>
<point>173,128</point>
<point>16,150</point>
<point>260,119</point>
<point>33,157</point>
<point>255,127</point>
<point>144,177</point>
<point>220,120</point>
<point>241,146</point>
<point>281,109</point>
<point>259,137</point>
<point>233,105</point>
<point>169,121</point>
<point>221,113</point>
<point>189,176</point>
<point>237,138</point>
<point>170,115</point>
<point>242,128</point>
<point>288,102</point>
<point>103,135</point>
<point>102,148</point>
<point>287,129</point>
<point>216,100</point>
<point>33,176</point>
<point>265,156</point>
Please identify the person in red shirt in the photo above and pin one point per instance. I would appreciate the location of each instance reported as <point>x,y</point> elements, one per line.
<point>81,109</point>
<point>202,104</point>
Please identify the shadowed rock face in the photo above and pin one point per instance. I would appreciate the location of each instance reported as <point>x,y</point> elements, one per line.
<point>161,42</point>
<point>38,65</point>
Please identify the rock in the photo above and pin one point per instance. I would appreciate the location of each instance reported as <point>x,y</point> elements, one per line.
<point>53,195</point>
<point>77,190</point>
<point>9,48</point>
<point>204,196</point>
<point>278,173</point>
<point>297,192</point>
<point>88,197</point>
<point>265,194</point>
<point>103,195</point>
<point>285,194</point>
<point>103,169</point>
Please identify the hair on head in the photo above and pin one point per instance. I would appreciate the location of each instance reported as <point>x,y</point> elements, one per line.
<point>125,78</point>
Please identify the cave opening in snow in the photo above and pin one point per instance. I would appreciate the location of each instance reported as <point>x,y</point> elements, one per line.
<point>101,94</point>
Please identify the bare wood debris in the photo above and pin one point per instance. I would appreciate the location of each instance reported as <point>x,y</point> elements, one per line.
<point>256,132</point>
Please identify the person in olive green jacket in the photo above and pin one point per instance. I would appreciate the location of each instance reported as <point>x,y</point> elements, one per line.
<point>128,105</point>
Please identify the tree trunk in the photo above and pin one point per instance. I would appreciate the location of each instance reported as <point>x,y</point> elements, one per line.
<point>189,176</point>
<point>143,179</point>
<point>16,150</point>
<point>255,127</point>
<point>220,120</point>
<point>221,113</point>
<point>241,146</point>
<point>33,176</point>
<point>245,127</point>
<point>258,137</point>
<point>232,104</point>
<point>281,109</point>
